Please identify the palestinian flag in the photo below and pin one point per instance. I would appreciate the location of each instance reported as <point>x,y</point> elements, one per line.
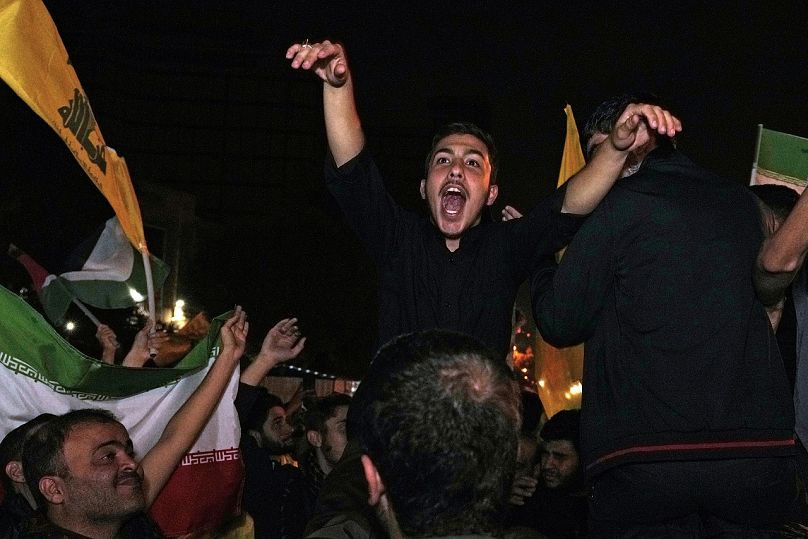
<point>105,271</point>
<point>780,158</point>
<point>40,372</point>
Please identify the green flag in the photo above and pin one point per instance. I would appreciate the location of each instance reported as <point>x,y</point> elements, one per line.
<point>780,158</point>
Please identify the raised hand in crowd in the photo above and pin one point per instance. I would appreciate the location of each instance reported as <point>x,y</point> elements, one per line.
<point>329,62</point>
<point>147,341</point>
<point>283,342</point>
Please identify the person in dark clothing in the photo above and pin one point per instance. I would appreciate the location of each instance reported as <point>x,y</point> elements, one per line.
<point>19,503</point>
<point>558,507</point>
<point>455,269</point>
<point>274,492</point>
<point>686,419</point>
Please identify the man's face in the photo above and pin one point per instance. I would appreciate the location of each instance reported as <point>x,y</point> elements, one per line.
<point>458,186</point>
<point>559,463</point>
<point>334,438</point>
<point>277,433</point>
<point>104,481</point>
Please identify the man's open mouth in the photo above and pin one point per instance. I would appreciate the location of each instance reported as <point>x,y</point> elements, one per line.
<point>452,200</point>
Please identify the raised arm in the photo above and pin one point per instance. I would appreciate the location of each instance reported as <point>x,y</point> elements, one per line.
<point>633,130</point>
<point>183,429</point>
<point>782,254</point>
<point>328,61</point>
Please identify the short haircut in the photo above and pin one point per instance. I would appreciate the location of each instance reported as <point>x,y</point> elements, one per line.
<point>778,198</point>
<point>43,451</point>
<point>564,425</point>
<point>322,409</point>
<point>465,128</point>
<point>259,411</point>
<point>439,416</point>
<point>12,444</point>
<point>607,113</point>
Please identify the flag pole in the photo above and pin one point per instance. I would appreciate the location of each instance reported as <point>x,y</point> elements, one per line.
<point>757,154</point>
<point>150,293</point>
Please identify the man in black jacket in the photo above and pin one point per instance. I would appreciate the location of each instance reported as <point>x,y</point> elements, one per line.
<point>686,418</point>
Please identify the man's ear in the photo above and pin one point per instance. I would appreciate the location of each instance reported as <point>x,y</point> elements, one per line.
<point>423,189</point>
<point>314,438</point>
<point>375,484</point>
<point>52,488</point>
<point>14,471</point>
<point>493,191</point>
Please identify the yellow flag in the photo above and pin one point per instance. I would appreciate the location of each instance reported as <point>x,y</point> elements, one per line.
<point>35,64</point>
<point>572,159</point>
<point>559,370</point>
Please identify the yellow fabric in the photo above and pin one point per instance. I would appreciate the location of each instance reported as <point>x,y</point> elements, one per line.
<point>572,160</point>
<point>35,64</point>
<point>560,368</point>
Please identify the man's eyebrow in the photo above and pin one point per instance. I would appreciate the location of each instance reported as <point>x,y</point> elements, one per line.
<point>127,445</point>
<point>468,151</point>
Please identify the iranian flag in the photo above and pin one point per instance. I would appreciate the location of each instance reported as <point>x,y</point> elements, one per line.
<point>104,271</point>
<point>40,372</point>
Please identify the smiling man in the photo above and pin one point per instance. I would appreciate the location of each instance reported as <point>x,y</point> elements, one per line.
<point>82,468</point>
<point>458,269</point>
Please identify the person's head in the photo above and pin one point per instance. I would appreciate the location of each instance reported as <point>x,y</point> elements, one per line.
<point>560,460</point>
<point>81,466</point>
<point>601,123</point>
<point>325,428</point>
<point>439,418</point>
<point>460,178</point>
<point>267,423</point>
<point>11,455</point>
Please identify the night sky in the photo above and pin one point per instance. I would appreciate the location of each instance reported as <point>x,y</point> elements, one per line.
<point>279,247</point>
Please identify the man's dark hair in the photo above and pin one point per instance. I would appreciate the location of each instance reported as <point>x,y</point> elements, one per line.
<point>778,198</point>
<point>607,113</point>
<point>12,444</point>
<point>322,409</point>
<point>564,425</point>
<point>439,416</point>
<point>43,450</point>
<point>465,128</point>
<point>259,411</point>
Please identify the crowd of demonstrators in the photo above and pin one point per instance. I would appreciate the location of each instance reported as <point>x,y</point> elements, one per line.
<point>80,469</point>
<point>457,269</point>
<point>675,282</point>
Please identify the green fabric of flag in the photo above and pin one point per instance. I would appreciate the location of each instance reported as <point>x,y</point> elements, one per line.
<point>782,156</point>
<point>30,346</point>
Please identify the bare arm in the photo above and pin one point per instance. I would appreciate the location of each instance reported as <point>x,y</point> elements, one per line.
<point>183,429</point>
<point>343,128</point>
<point>633,130</point>
<point>282,343</point>
<point>782,253</point>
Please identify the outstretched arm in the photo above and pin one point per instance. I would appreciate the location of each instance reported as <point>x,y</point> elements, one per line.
<point>633,130</point>
<point>328,61</point>
<point>782,254</point>
<point>183,429</point>
<point>282,343</point>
